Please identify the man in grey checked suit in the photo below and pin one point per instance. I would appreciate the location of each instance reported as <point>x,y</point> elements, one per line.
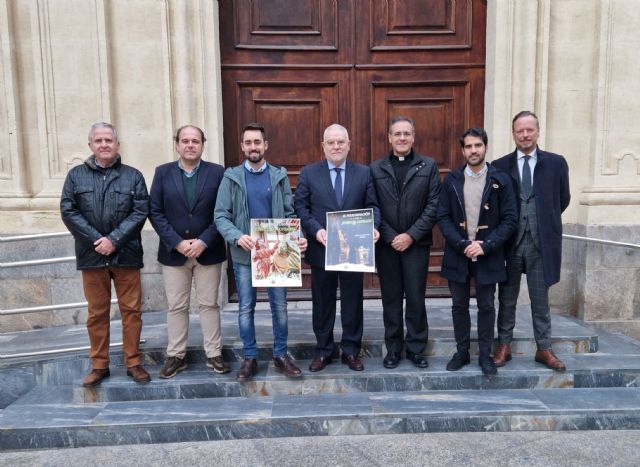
<point>541,186</point>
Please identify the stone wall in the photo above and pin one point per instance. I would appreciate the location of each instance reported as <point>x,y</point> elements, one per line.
<point>572,63</point>
<point>147,66</point>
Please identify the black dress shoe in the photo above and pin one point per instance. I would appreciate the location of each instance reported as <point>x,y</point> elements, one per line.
<point>354,362</point>
<point>459,360</point>
<point>418,359</point>
<point>488,366</point>
<point>318,363</point>
<point>392,360</point>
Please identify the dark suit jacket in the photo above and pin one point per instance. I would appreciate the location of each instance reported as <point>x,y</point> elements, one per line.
<point>315,197</point>
<point>552,195</point>
<point>174,220</point>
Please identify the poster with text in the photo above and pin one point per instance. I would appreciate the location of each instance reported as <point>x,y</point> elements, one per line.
<point>350,245</point>
<point>276,259</point>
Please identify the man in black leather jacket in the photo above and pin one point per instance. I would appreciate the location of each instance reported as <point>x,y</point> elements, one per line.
<point>104,204</point>
<point>407,186</point>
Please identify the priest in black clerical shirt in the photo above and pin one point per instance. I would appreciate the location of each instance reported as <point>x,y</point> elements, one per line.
<point>407,185</point>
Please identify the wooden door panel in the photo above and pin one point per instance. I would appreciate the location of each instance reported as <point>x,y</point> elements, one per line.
<point>268,32</point>
<point>427,33</point>
<point>437,109</point>
<point>294,113</point>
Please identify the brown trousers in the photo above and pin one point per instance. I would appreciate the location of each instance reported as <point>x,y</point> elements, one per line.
<point>97,290</point>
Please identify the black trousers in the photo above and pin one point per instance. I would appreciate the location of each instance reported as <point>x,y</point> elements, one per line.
<point>460,296</point>
<point>324,285</point>
<point>404,275</point>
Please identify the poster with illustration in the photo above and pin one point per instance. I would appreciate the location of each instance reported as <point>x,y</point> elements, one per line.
<point>276,259</point>
<point>350,245</point>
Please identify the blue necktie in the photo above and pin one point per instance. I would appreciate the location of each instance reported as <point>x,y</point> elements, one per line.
<point>526,177</point>
<point>337,186</point>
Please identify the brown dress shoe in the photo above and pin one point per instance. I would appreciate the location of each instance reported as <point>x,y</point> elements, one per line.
<point>318,363</point>
<point>502,354</point>
<point>286,367</point>
<point>95,377</point>
<point>247,370</point>
<point>354,362</point>
<point>548,358</point>
<point>139,374</point>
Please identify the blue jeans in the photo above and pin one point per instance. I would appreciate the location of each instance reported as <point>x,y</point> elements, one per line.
<point>246,312</point>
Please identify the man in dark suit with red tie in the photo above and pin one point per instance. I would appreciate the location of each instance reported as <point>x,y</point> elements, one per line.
<point>334,184</point>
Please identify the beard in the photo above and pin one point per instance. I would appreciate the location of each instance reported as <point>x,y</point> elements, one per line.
<point>475,163</point>
<point>254,158</point>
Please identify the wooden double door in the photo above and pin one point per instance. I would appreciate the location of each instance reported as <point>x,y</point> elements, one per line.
<point>297,66</point>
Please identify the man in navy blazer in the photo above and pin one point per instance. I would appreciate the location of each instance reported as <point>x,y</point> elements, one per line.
<point>334,184</point>
<point>541,187</point>
<point>183,197</point>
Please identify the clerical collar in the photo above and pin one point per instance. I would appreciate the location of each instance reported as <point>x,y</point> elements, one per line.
<point>402,158</point>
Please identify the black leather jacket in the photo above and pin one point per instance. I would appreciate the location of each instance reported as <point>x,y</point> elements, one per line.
<point>414,211</point>
<point>111,202</point>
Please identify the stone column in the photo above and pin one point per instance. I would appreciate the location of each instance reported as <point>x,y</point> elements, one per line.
<point>544,56</point>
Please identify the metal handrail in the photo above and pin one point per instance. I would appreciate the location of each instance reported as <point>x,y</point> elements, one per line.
<point>36,309</point>
<point>57,351</point>
<point>37,262</point>
<point>17,238</point>
<point>601,241</point>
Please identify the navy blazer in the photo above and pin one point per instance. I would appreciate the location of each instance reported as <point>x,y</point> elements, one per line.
<point>174,220</point>
<point>315,197</point>
<point>552,195</point>
<point>497,220</point>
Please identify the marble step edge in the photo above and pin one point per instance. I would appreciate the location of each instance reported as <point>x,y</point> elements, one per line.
<point>519,365</point>
<point>33,427</point>
<point>72,372</point>
<point>201,383</point>
<point>301,349</point>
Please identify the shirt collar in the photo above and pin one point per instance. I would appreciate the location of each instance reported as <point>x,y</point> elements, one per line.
<point>187,173</point>
<point>341,166</point>
<point>533,154</point>
<point>471,173</point>
<point>255,171</point>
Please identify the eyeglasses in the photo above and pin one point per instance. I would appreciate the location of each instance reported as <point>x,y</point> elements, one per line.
<point>339,143</point>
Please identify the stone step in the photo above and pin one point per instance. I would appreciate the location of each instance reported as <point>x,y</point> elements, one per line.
<point>569,335</point>
<point>67,368</point>
<point>197,381</point>
<point>160,421</point>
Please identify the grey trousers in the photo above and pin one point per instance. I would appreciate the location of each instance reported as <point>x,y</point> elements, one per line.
<point>525,259</point>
